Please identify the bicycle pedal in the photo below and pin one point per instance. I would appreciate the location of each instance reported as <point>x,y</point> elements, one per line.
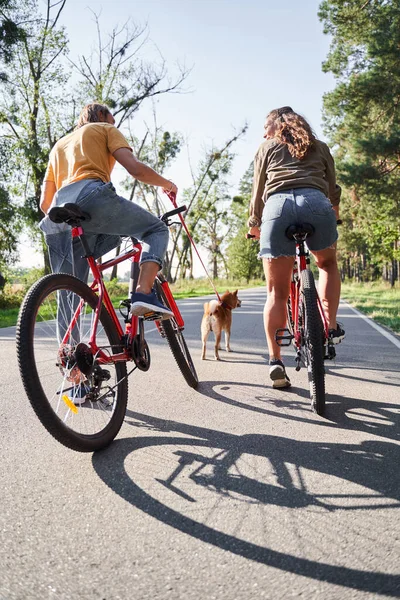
<point>152,316</point>
<point>330,352</point>
<point>283,337</point>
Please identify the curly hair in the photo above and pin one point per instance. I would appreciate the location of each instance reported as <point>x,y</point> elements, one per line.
<point>93,113</point>
<point>293,130</point>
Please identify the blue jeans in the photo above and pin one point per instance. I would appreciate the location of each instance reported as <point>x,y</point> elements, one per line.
<point>111,217</point>
<point>296,206</point>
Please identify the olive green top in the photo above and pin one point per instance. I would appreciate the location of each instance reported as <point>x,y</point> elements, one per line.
<point>276,170</point>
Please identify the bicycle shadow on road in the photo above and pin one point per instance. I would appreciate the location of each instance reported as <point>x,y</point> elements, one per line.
<point>372,416</point>
<point>210,459</point>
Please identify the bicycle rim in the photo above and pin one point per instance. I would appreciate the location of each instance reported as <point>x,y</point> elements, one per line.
<point>83,412</point>
<point>177,343</point>
<point>313,342</point>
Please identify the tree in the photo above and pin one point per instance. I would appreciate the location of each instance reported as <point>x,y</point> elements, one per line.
<point>37,108</point>
<point>242,254</point>
<point>10,33</point>
<point>31,105</point>
<point>208,189</point>
<point>8,230</point>
<point>115,73</point>
<point>362,119</point>
<point>211,228</point>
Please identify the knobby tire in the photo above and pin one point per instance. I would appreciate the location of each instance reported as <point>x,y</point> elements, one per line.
<point>313,342</point>
<point>28,327</point>
<point>176,341</point>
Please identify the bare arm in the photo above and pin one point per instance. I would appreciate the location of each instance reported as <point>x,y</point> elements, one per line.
<point>142,172</point>
<point>46,198</point>
<point>334,189</point>
<point>259,179</point>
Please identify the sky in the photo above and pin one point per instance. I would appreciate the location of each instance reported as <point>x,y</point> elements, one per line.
<point>246,58</point>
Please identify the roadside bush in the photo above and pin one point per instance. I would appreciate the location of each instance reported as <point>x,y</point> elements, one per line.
<point>11,298</point>
<point>117,289</point>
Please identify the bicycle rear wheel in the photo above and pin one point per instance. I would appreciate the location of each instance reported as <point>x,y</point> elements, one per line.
<point>80,402</point>
<point>170,329</point>
<point>313,340</point>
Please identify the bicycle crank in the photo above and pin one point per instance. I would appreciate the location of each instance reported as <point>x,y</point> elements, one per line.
<point>141,354</point>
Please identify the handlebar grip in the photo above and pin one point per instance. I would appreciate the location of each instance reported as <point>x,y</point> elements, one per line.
<point>249,236</point>
<point>176,211</point>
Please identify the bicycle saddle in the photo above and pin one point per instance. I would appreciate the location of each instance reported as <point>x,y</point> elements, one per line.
<point>68,213</point>
<point>301,230</point>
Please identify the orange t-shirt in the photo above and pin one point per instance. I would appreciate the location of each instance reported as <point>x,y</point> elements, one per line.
<point>86,153</point>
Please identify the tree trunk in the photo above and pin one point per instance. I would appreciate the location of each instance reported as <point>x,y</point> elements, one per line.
<point>215,266</point>
<point>393,273</point>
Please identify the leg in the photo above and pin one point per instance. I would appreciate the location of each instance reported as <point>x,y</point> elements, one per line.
<point>217,343</point>
<point>227,340</point>
<point>113,215</point>
<point>203,350</point>
<point>205,330</point>
<point>147,275</point>
<point>329,283</point>
<point>278,272</point>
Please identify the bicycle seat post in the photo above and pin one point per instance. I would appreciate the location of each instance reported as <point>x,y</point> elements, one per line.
<point>134,276</point>
<point>79,233</point>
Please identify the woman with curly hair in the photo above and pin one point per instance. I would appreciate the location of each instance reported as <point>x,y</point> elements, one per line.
<point>294,182</point>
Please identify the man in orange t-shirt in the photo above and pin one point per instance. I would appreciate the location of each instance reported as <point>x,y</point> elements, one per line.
<point>79,171</point>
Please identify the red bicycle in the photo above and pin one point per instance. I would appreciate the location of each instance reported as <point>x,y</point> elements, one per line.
<point>73,351</point>
<point>307,326</point>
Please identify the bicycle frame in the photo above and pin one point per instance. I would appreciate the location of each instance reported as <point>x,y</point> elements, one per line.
<point>301,263</point>
<point>132,324</point>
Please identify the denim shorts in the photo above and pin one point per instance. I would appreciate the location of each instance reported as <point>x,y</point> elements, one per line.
<point>296,206</point>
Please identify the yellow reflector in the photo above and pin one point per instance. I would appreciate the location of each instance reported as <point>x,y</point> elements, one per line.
<point>70,404</point>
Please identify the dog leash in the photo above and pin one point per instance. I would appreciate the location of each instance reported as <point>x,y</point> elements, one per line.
<point>172,197</point>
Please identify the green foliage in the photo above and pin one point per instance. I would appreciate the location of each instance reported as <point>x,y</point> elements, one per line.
<point>10,32</point>
<point>208,218</point>
<point>242,253</point>
<point>362,118</point>
<point>8,230</point>
<point>38,106</point>
<point>116,289</point>
<point>11,298</point>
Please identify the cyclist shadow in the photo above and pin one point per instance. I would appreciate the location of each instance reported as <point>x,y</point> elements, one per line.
<point>370,464</point>
<point>375,417</point>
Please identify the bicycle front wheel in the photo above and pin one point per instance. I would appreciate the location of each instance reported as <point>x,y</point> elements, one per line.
<point>170,329</point>
<point>313,342</point>
<point>80,402</point>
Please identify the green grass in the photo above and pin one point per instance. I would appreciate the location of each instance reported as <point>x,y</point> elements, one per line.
<point>8,317</point>
<point>190,288</point>
<point>377,300</point>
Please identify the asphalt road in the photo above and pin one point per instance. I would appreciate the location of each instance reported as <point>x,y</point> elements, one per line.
<point>233,491</point>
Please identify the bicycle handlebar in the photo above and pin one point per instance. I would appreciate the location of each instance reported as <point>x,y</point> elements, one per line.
<point>166,216</point>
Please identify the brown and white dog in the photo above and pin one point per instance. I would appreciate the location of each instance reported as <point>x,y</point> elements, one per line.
<point>217,318</point>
